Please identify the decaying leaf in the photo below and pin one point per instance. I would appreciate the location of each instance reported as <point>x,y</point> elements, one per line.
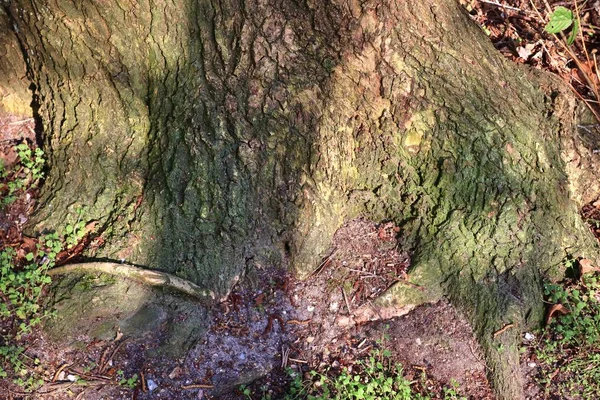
<point>586,267</point>
<point>554,309</point>
<point>259,299</point>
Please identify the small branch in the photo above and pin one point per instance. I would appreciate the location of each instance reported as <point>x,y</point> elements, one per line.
<point>297,361</point>
<point>347,303</point>
<point>298,322</point>
<point>145,276</point>
<point>58,371</point>
<point>197,386</point>
<point>144,387</point>
<point>324,263</point>
<point>285,355</point>
<point>23,121</point>
<point>493,3</point>
<point>503,329</point>
<point>269,327</point>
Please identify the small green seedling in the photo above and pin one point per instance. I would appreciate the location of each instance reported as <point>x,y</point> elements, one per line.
<point>131,383</point>
<point>561,19</point>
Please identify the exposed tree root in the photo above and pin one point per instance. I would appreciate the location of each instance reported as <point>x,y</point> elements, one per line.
<point>148,277</point>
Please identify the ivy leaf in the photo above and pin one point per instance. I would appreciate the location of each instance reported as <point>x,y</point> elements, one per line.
<point>560,19</point>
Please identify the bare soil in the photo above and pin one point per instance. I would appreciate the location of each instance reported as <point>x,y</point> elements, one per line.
<point>272,324</point>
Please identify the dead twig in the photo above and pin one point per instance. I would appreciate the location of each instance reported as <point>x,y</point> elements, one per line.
<point>502,330</point>
<point>23,121</point>
<point>93,377</point>
<point>58,371</point>
<point>104,360</point>
<point>143,378</point>
<point>285,354</point>
<point>117,349</point>
<point>346,300</point>
<point>324,263</point>
<point>365,349</point>
<point>269,327</point>
<point>298,322</point>
<point>197,386</point>
<point>493,3</point>
<point>58,386</point>
<point>369,274</point>
<point>297,361</point>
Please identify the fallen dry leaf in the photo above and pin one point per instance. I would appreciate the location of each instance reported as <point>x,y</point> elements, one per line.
<point>556,308</point>
<point>586,266</point>
<point>259,299</point>
<point>29,245</point>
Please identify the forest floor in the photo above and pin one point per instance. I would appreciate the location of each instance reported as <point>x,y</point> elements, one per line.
<point>275,332</point>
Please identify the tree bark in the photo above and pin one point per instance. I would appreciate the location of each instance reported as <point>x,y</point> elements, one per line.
<point>15,96</point>
<point>208,137</point>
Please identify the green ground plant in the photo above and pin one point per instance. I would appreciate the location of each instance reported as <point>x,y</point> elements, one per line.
<point>74,232</point>
<point>21,288</point>
<point>378,378</point>
<point>569,349</point>
<point>130,382</point>
<point>23,276</point>
<point>25,175</point>
<point>560,21</point>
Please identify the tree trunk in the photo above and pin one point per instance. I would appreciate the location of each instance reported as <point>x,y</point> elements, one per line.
<point>207,137</point>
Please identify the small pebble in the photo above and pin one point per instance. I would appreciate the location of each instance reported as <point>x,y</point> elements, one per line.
<point>72,378</point>
<point>418,340</point>
<point>310,308</point>
<point>529,336</point>
<point>152,386</point>
<point>531,364</point>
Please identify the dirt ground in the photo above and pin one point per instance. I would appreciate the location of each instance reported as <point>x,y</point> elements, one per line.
<point>272,324</point>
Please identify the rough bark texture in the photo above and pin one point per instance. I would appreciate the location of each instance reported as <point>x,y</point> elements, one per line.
<point>208,137</point>
<point>15,96</point>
